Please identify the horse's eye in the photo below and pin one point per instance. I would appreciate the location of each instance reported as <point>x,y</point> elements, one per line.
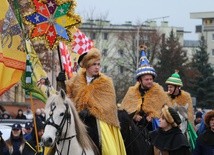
<point>61,114</point>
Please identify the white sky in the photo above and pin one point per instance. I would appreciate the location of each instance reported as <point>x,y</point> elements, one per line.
<point>119,11</point>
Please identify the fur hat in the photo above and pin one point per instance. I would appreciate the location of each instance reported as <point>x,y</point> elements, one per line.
<point>171,116</point>
<point>87,59</point>
<point>208,117</point>
<point>175,79</point>
<point>144,66</point>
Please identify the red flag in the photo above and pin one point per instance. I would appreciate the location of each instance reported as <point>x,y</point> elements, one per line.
<point>66,59</point>
<point>82,44</point>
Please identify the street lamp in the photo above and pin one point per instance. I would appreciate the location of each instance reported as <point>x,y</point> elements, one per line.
<point>138,38</point>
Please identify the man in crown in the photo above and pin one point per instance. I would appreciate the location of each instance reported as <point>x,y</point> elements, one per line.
<point>145,100</point>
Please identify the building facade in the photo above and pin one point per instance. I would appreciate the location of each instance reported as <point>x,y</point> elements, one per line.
<point>115,41</point>
<point>207,30</point>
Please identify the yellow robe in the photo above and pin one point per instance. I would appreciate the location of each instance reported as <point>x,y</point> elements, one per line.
<point>100,99</point>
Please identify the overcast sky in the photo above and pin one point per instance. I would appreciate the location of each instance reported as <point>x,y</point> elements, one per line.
<point>119,11</point>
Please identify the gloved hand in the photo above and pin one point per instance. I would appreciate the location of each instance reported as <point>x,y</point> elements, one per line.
<point>84,113</point>
<point>61,76</point>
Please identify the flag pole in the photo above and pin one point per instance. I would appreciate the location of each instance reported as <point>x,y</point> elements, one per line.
<point>60,61</point>
<point>34,122</point>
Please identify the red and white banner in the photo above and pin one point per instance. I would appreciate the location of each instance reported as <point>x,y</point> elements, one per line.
<point>82,43</point>
<point>66,59</point>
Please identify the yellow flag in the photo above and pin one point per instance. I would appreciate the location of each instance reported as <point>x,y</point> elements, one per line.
<point>12,58</point>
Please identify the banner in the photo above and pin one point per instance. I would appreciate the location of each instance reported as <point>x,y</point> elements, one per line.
<point>12,57</point>
<point>81,43</point>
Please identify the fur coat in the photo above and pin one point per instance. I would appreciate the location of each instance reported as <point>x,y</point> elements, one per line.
<point>98,97</point>
<point>154,99</point>
<point>182,100</point>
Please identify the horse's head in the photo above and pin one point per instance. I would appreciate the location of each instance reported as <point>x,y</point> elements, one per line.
<point>183,113</point>
<point>58,118</point>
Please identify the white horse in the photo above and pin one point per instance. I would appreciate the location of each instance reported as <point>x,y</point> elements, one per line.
<point>64,129</point>
<point>183,113</point>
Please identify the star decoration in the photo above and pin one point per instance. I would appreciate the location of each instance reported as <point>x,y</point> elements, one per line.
<point>51,20</point>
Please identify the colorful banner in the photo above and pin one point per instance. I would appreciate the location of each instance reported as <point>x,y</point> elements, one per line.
<point>40,83</point>
<point>52,21</point>
<point>12,57</point>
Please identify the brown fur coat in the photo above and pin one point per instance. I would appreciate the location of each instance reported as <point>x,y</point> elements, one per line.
<point>182,100</point>
<point>98,97</point>
<point>154,99</point>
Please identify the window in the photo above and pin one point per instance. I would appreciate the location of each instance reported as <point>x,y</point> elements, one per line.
<point>105,69</point>
<point>104,53</point>
<point>208,21</point>
<point>93,35</point>
<point>120,52</point>
<point>105,36</point>
<point>121,69</point>
<point>212,52</point>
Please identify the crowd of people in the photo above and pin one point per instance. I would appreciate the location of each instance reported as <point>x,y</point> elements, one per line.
<point>24,140</point>
<point>27,114</point>
<point>164,120</point>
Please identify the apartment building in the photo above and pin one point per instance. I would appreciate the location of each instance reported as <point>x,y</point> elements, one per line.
<point>207,30</point>
<point>115,40</point>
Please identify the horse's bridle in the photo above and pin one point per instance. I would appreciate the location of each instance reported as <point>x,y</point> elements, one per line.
<point>66,118</point>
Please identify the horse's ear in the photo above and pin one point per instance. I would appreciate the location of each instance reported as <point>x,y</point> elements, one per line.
<point>62,93</point>
<point>186,106</point>
<point>48,93</point>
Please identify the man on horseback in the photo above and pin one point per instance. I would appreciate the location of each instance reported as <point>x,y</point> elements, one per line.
<point>178,96</point>
<point>180,99</point>
<point>94,97</point>
<point>144,101</point>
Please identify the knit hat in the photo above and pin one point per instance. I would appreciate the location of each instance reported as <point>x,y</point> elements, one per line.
<point>174,79</point>
<point>28,125</point>
<point>16,126</point>
<point>198,114</point>
<point>144,66</point>
<point>171,116</point>
<point>208,117</point>
<point>87,59</point>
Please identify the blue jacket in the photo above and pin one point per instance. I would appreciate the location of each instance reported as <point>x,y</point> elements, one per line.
<point>205,144</point>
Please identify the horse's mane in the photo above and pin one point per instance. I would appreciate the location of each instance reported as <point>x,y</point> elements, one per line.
<point>182,110</point>
<point>82,135</point>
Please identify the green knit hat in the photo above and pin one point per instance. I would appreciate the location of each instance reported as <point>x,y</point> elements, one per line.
<point>174,79</point>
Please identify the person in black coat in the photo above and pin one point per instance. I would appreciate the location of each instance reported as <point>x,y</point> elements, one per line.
<point>16,141</point>
<point>205,141</point>
<point>3,147</point>
<point>169,139</point>
<point>31,145</point>
<point>20,114</point>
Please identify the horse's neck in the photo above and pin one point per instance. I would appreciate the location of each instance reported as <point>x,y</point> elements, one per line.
<point>183,126</point>
<point>69,146</point>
